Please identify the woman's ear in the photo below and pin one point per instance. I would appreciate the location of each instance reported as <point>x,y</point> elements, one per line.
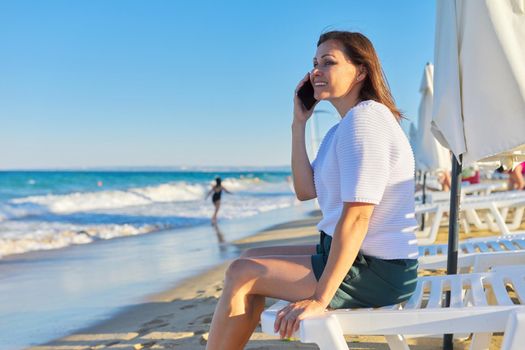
<point>362,73</point>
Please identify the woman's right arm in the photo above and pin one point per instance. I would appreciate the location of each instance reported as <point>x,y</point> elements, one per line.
<point>302,173</point>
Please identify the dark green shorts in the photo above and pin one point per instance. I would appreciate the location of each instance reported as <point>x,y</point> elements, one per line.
<point>370,282</point>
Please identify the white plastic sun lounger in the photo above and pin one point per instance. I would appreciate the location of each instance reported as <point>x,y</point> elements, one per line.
<point>470,251</point>
<point>425,313</point>
<point>515,242</point>
<point>495,207</point>
<point>482,189</point>
<point>495,220</point>
<point>474,262</point>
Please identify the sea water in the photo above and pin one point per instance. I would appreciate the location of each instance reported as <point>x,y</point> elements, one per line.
<point>96,242</point>
<point>55,209</point>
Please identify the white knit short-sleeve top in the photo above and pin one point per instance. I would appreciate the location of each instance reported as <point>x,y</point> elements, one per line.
<point>367,158</point>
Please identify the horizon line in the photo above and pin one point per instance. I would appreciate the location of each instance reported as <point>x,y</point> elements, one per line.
<point>225,168</point>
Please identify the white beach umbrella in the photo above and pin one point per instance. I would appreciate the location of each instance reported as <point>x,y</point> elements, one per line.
<point>431,156</point>
<point>479,89</point>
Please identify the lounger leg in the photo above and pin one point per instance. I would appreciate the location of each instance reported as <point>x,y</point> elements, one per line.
<point>397,342</point>
<point>435,225</point>
<point>504,212</point>
<point>491,222</point>
<point>326,332</point>
<point>516,220</point>
<point>499,220</point>
<point>473,218</point>
<point>514,338</point>
<point>480,341</point>
<point>466,227</point>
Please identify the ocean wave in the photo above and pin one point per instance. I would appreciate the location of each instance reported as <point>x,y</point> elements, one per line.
<point>45,236</point>
<point>58,230</point>
<point>140,196</point>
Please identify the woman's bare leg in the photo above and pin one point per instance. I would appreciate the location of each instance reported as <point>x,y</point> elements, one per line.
<point>520,182</point>
<point>217,207</point>
<point>247,282</point>
<point>447,181</point>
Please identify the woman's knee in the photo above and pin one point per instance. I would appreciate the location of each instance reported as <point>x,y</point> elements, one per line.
<point>242,271</point>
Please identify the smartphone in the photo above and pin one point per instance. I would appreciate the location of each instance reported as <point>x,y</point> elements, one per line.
<point>306,95</point>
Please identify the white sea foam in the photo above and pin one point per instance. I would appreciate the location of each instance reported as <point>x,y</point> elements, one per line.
<point>24,237</point>
<point>56,221</point>
<point>88,201</point>
<point>102,200</point>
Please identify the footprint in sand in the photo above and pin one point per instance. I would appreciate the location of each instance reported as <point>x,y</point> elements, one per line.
<point>202,320</point>
<point>204,338</point>
<point>155,322</point>
<point>187,307</point>
<point>205,318</point>
<point>145,330</point>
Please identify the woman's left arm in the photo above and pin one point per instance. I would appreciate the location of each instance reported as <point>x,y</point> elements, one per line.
<point>347,240</point>
<point>348,237</point>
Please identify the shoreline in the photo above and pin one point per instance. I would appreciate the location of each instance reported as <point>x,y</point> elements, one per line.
<point>49,294</point>
<point>179,317</point>
<point>176,304</point>
<point>259,238</point>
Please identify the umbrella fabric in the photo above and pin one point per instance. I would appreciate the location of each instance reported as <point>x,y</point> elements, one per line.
<point>479,86</point>
<point>430,156</point>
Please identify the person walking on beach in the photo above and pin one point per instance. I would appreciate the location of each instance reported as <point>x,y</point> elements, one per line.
<point>363,178</point>
<point>216,198</point>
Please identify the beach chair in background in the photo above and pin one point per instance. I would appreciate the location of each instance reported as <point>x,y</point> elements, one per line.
<point>435,256</point>
<point>433,217</point>
<point>490,222</point>
<point>494,208</point>
<point>474,262</point>
<point>495,304</point>
<point>482,189</point>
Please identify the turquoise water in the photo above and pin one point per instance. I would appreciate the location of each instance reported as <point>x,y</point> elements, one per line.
<point>48,294</point>
<point>53,209</point>
<point>76,247</point>
<point>16,184</point>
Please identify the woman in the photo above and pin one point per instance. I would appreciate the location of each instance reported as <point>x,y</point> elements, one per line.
<point>363,177</point>
<point>216,198</point>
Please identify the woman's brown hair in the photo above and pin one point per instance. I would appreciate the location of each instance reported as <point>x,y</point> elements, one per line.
<point>360,51</point>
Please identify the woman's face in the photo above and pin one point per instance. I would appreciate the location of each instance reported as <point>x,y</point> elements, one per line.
<point>333,75</point>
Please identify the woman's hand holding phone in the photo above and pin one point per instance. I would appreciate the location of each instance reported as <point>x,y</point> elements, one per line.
<point>300,113</point>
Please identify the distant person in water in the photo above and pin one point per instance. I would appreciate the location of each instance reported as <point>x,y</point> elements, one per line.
<point>216,198</point>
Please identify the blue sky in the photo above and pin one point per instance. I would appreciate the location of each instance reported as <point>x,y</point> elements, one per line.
<point>178,83</point>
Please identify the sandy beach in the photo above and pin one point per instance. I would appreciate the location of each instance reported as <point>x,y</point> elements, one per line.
<point>179,317</point>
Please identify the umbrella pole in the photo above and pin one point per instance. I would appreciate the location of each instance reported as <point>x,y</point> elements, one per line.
<point>424,199</point>
<point>453,233</point>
